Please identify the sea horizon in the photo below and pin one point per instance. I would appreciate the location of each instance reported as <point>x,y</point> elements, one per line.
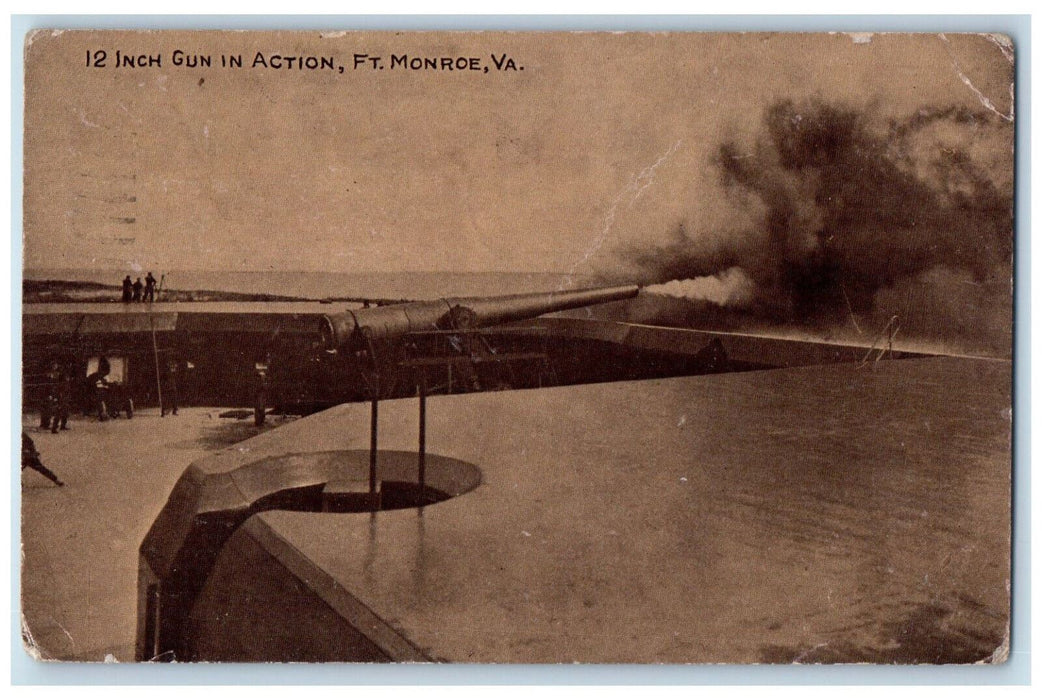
<point>648,308</point>
<point>314,284</point>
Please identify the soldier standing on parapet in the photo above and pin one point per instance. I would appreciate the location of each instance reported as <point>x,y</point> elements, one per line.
<point>137,289</point>
<point>150,288</point>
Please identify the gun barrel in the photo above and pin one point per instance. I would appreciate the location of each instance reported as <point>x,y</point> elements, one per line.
<point>352,328</point>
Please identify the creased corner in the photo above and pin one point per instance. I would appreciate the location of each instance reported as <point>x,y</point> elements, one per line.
<point>1001,653</point>
<point>981,97</point>
<point>29,642</point>
<point>1004,42</point>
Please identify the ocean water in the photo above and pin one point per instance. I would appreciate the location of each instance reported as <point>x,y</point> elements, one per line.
<point>320,285</point>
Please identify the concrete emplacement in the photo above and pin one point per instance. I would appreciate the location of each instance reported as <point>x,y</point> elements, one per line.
<point>214,497</point>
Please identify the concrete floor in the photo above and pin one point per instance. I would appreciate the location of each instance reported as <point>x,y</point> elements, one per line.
<point>80,542</point>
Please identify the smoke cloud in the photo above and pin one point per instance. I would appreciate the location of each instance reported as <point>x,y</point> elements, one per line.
<point>855,216</point>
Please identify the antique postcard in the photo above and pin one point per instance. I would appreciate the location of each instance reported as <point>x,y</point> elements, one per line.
<point>508,347</point>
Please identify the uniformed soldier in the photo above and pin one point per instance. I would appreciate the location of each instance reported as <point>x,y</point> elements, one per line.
<point>99,387</point>
<point>62,402</point>
<point>31,460</point>
<point>49,406</point>
<point>170,388</point>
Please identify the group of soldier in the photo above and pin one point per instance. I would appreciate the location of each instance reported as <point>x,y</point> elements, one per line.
<point>57,403</point>
<point>138,291</point>
<point>108,399</point>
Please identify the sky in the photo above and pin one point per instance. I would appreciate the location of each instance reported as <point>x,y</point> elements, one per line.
<point>598,144</point>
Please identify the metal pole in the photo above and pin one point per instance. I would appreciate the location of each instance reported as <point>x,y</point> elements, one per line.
<point>373,411</point>
<point>155,354</point>
<point>373,419</point>
<point>422,467</point>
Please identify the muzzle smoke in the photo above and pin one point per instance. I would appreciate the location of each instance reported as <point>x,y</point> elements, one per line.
<point>732,287</point>
<point>855,217</point>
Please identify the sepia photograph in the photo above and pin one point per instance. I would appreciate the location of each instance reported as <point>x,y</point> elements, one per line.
<point>511,347</point>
